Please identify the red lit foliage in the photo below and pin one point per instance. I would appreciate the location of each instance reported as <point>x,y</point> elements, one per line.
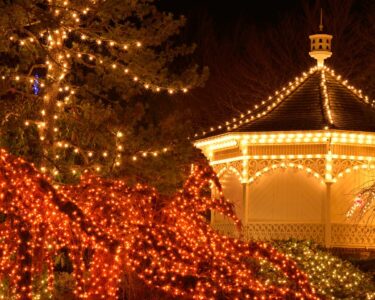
<point>168,243</point>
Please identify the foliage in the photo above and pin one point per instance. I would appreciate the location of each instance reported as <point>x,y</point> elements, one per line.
<point>99,64</point>
<point>109,230</point>
<point>330,275</point>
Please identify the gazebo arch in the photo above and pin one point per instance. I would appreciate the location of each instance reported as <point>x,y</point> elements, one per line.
<point>231,182</point>
<point>231,169</point>
<point>284,166</point>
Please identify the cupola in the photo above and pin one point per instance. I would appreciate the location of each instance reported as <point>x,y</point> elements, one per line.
<point>320,44</point>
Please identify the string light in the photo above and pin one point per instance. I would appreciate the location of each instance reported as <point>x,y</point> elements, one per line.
<point>24,79</point>
<point>285,166</point>
<point>326,104</point>
<point>107,41</point>
<point>262,109</point>
<point>351,88</point>
<point>119,226</point>
<point>244,147</point>
<point>364,201</point>
<point>129,72</point>
<point>332,277</point>
<point>266,107</point>
<point>291,137</point>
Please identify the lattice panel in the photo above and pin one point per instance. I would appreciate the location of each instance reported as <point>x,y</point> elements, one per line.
<point>340,165</point>
<point>343,235</point>
<point>267,232</point>
<point>349,235</point>
<point>226,229</point>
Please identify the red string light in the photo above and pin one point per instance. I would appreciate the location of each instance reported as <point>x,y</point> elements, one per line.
<point>167,242</point>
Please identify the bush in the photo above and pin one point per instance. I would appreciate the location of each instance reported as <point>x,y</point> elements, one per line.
<point>331,276</point>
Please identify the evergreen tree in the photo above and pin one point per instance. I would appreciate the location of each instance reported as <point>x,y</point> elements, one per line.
<point>78,84</point>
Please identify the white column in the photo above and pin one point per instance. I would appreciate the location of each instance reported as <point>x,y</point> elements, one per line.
<point>327,201</point>
<point>246,202</point>
<point>327,216</point>
<point>245,178</point>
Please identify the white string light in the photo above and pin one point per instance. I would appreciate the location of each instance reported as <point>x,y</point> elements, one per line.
<point>262,109</point>
<point>250,116</point>
<point>326,103</point>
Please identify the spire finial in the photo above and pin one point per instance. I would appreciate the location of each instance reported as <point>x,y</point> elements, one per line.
<point>320,44</point>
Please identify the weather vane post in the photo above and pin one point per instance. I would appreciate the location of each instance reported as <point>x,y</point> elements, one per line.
<point>321,20</point>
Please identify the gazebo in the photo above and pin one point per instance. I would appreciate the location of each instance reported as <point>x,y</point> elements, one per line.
<point>293,164</point>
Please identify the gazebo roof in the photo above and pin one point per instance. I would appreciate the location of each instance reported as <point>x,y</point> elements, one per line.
<point>306,109</point>
<point>316,101</point>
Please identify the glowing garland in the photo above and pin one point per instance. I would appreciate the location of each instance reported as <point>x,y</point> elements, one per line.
<point>27,79</point>
<point>167,243</point>
<point>127,71</point>
<point>333,278</point>
<point>326,104</point>
<point>284,165</point>
<point>250,116</point>
<point>91,57</point>
<point>351,88</point>
<point>262,109</point>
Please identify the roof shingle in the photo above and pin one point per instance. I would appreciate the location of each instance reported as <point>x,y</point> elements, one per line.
<point>304,109</point>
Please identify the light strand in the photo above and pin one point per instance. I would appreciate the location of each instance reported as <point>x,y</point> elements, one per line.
<point>261,109</point>
<point>120,226</point>
<point>326,103</point>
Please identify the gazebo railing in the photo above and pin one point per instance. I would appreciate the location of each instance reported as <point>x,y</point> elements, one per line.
<point>356,236</point>
<point>342,235</point>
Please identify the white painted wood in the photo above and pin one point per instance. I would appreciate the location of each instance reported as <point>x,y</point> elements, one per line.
<point>286,196</point>
<point>232,188</point>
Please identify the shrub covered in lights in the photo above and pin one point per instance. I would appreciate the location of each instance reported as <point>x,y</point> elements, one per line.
<point>330,275</point>
<point>108,230</point>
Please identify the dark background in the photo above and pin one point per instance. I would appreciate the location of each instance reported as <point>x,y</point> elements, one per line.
<point>228,12</point>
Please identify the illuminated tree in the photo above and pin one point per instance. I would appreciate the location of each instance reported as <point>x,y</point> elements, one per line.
<point>77,77</point>
<point>109,229</point>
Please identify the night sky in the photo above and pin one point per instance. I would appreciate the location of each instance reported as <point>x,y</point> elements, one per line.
<point>225,12</point>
